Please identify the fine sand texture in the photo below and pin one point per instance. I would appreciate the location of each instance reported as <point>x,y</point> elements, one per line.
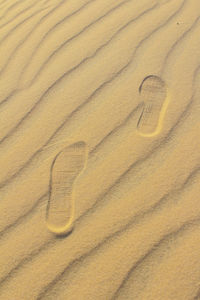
<point>100,149</point>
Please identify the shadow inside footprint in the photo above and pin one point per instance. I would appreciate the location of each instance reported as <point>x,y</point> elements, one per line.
<point>153,93</point>
<point>66,167</point>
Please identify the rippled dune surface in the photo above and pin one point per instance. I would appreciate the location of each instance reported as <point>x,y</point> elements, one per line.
<point>99,149</point>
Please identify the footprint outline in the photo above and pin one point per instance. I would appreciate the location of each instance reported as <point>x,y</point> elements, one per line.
<point>68,227</point>
<point>163,110</point>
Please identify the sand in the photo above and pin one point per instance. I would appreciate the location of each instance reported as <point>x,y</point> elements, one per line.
<point>99,149</point>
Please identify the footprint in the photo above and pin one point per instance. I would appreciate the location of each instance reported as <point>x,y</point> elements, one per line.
<point>66,167</point>
<point>153,92</point>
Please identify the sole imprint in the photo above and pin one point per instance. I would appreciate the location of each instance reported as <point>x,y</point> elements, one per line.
<point>153,93</point>
<point>66,167</point>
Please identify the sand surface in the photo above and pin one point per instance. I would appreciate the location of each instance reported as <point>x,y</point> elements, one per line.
<point>99,149</point>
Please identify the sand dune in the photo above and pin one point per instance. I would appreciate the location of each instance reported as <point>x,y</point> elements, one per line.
<point>99,143</point>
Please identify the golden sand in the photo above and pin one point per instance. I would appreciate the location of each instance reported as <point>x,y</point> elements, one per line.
<point>99,133</point>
